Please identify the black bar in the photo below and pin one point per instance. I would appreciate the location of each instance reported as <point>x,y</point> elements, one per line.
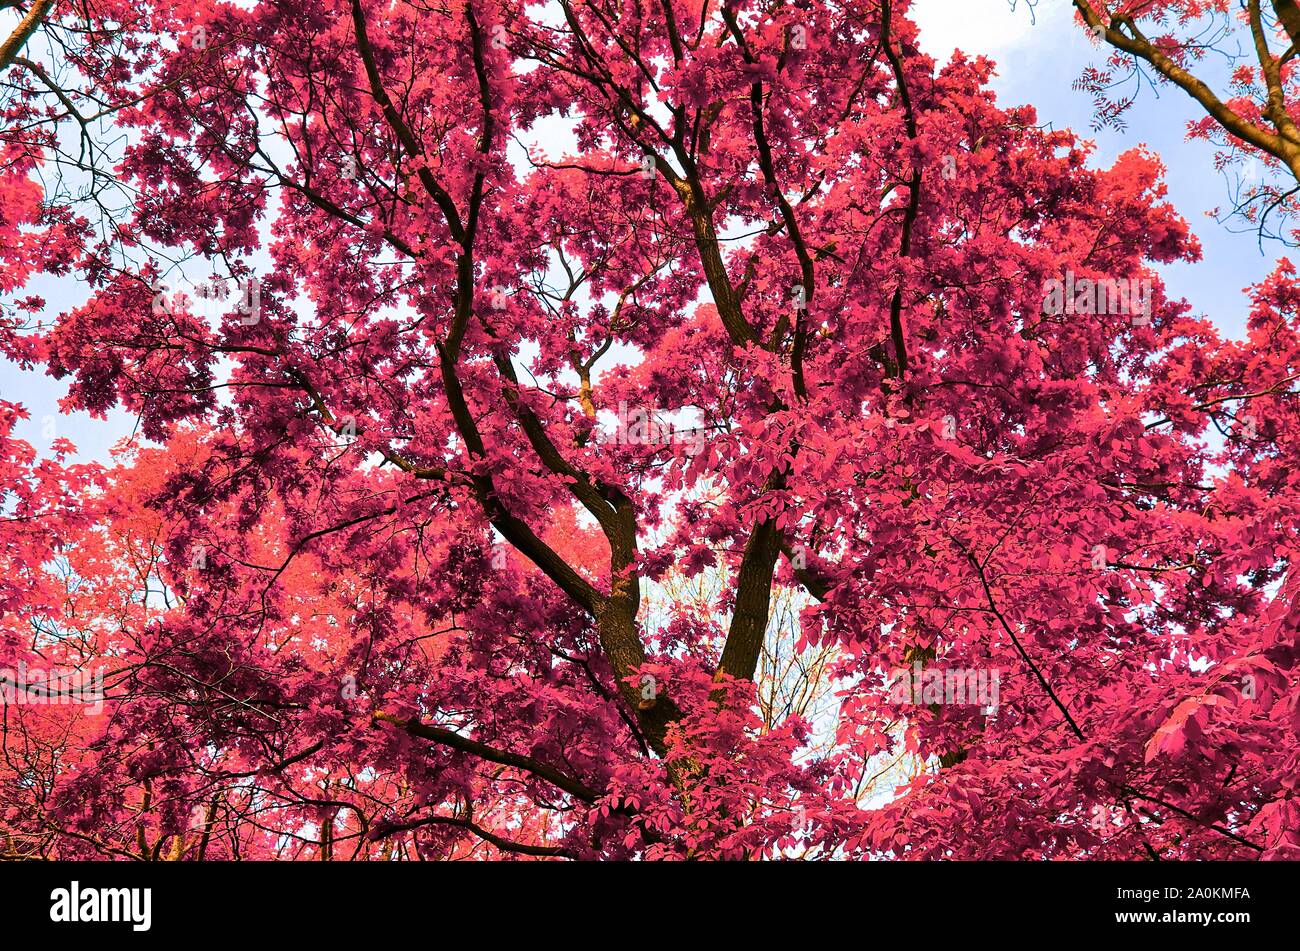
<point>359,901</point>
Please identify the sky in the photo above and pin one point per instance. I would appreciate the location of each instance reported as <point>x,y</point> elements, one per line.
<point>1040,52</point>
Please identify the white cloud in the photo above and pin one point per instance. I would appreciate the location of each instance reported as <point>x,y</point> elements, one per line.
<point>991,28</point>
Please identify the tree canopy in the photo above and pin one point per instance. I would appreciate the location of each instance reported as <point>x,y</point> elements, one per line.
<point>492,499</point>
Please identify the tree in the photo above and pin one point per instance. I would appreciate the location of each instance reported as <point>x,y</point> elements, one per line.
<point>441,427</point>
<point>1235,61</point>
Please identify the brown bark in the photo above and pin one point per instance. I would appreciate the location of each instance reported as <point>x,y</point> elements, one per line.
<point>26,27</point>
<point>1135,43</point>
<point>1288,14</point>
